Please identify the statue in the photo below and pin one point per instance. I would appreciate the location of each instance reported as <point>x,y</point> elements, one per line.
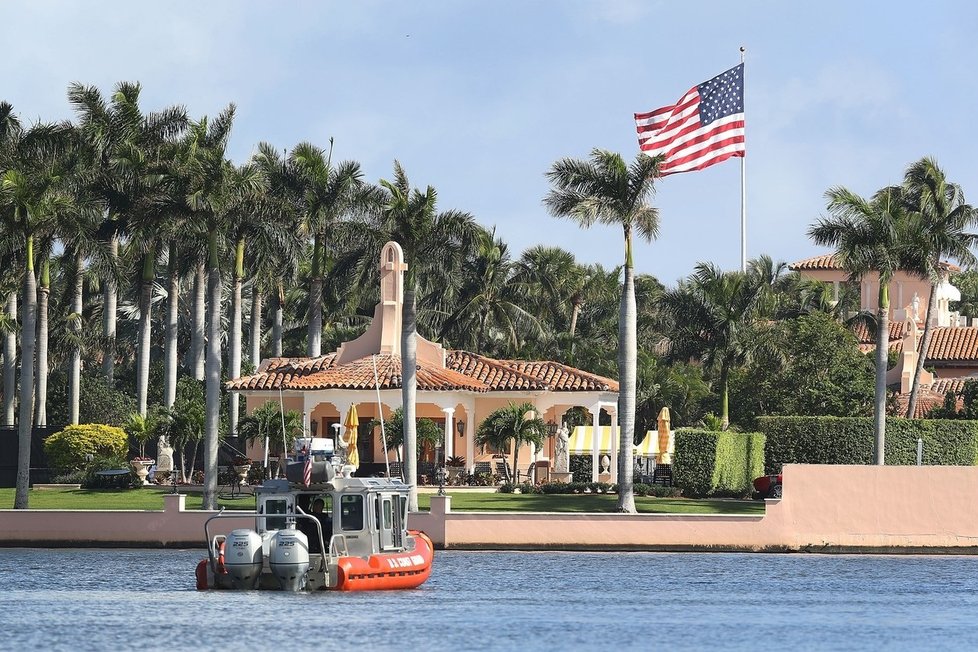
<point>916,307</point>
<point>164,457</point>
<point>561,454</point>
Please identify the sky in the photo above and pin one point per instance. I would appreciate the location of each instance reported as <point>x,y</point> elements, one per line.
<point>479,99</point>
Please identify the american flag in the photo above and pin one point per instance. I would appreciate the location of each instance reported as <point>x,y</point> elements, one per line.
<point>307,471</point>
<point>704,127</point>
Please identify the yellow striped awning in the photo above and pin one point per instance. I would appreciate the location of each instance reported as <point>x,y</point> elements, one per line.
<point>580,442</point>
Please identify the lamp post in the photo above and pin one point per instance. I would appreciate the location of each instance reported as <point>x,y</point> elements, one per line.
<point>440,461</point>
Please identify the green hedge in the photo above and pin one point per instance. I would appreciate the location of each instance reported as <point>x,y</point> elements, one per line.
<point>849,440</point>
<point>68,448</point>
<point>710,463</point>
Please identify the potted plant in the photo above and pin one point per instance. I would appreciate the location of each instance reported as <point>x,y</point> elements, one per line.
<point>241,465</point>
<point>141,465</point>
<point>455,465</point>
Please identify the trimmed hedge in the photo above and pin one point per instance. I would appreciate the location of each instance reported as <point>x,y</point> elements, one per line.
<point>711,463</point>
<point>849,440</point>
<point>68,448</point>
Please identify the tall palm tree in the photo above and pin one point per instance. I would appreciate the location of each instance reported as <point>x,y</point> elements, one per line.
<point>516,424</point>
<point>869,236</point>
<point>942,219</point>
<point>606,190</point>
<point>10,131</point>
<point>714,315</point>
<point>328,194</point>
<point>433,244</point>
<point>31,197</point>
<point>121,140</point>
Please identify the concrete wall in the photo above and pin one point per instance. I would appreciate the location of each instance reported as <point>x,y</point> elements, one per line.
<point>824,508</point>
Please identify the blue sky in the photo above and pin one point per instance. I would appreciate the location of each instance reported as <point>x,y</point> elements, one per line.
<point>479,98</point>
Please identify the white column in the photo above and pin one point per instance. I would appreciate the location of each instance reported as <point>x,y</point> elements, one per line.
<point>595,440</point>
<point>449,431</point>
<point>470,436</point>
<point>615,434</point>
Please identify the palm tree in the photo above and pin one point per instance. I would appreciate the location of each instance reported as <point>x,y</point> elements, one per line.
<point>10,130</point>
<point>942,219</point>
<point>869,236</point>
<point>433,244</point>
<point>265,423</point>
<point>516,424</point>
<point>328,194</point>
<point>714,315</point>
<point>30,199</point>
<point>604,189</point>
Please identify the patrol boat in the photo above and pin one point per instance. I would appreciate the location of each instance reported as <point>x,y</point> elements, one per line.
<point>360,541</point>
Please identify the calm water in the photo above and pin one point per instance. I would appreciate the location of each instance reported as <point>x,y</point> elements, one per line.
<point>145,599</point>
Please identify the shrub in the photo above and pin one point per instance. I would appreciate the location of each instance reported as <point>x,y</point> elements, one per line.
<point>507,488</point>
<point>69,449</point>
<point>709,463</point>
<point>849,440</point>
<point>580,466</point>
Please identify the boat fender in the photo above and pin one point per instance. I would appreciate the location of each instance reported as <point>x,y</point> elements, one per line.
<point>220,560</point>
<point>202,575</point>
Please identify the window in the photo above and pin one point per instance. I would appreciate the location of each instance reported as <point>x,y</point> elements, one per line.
<point>276,507</point>
<point>388,515</point>
<point>351,512</point>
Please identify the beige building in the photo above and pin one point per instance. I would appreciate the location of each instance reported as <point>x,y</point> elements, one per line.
<point>456,389</point>
<point>952,353</point>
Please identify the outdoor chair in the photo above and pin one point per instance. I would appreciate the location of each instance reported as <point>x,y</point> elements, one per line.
<point>502,470</point>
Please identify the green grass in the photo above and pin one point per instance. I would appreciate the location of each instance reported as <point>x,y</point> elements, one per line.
<point>152,498</point>
<point>476,502</point>
<point>137,499</point>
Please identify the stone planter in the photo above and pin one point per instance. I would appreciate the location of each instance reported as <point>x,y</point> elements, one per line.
<point>141,468</point>
<point>242,471</point>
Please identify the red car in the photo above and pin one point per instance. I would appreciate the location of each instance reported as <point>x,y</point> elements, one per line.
<point>768,486</point>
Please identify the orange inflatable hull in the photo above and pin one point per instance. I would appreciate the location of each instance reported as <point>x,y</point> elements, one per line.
<point>402,570</point>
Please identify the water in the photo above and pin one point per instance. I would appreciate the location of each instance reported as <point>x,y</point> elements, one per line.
<point>132,599</point>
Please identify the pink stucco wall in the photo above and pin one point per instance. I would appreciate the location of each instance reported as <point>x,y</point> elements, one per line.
<point>823,508</point>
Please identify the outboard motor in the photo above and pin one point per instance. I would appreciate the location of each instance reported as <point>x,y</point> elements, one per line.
<point>288,557</point>
<point>243,558</point>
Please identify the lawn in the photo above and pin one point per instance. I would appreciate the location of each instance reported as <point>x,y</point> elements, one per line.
<point>475,502</point>
<point>152,498</point>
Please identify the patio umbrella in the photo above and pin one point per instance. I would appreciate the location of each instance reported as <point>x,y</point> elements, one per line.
<point>664,432</point>
<point>351,423</point>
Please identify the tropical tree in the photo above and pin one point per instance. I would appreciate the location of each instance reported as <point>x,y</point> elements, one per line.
<point>606,190</point>
<point>941,220</point>
<point>433,244</point>
<point>428,432</point>
<point>870,237</point>
<point>264,427</point>
<point>516,425</point>
<point>714,318</point>
<point>31,198</point>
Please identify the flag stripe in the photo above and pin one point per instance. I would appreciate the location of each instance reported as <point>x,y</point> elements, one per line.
<point>706,126</point>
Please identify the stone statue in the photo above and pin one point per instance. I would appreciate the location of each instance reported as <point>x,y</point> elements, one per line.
<point>916,307</point>
<point>561,454</point>
<point>164,457</point>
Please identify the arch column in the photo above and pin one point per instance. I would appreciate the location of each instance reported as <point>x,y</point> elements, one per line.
<point>615,435</point>
<point>449,432</point>
<point>595,440</point>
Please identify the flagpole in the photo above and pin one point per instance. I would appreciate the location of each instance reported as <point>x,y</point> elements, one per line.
<point>743,180</point>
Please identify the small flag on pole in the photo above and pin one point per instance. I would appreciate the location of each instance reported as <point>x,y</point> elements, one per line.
<point>307,471</point>
<point>706,125</point>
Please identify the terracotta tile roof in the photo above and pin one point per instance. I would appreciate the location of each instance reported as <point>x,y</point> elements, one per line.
<point>944,385</point>
<point>320,373</point>
<point>927,400</point>
<point>523,374</point>
<point>867,336</point>
<point>827,261</point>
<point>953,344</point>
<point>464,371</point>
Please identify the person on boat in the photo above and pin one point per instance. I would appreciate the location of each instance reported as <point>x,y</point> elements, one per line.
<point>318,507</point>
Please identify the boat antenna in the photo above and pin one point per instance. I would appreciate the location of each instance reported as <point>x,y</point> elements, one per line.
<point>380,413</point>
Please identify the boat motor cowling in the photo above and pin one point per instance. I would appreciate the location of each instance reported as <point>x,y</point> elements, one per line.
<point>288,558</point>
<point>243,558</point>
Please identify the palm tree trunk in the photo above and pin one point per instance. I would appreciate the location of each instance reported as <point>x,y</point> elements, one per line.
<point>25,419</point>
<point>77,306</point>
<point>213,375</point>
<point>409,389</point>
<point>314,345</point>
<point>277,322</point>
<point>256,301</point>
<point>627,371</point>
<point>41,373</point>
<point>170,358</point>
<point>197,332</point>
<point>724,397</point>
<point>145,332</point>
<point>882,348</point>
<point>10,363</point>
<point>234,343</point>
<point>922,354</point>
<point>110,301</point>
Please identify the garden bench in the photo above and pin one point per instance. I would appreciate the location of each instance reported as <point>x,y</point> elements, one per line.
<point>118,478</point>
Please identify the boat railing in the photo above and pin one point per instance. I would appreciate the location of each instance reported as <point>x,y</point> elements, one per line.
<point>338,547</point>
